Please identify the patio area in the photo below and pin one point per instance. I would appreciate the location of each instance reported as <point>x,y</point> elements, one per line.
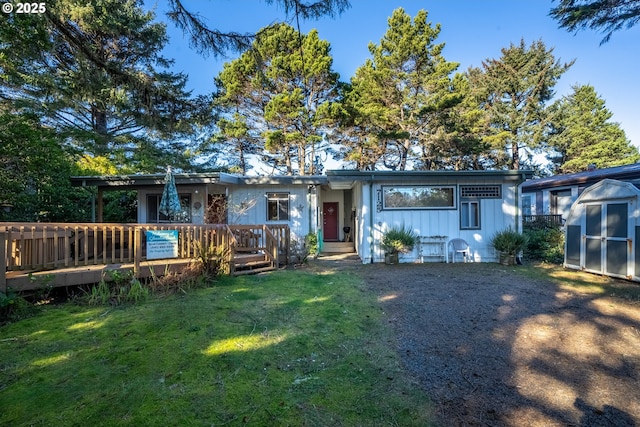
<point>64,254</point>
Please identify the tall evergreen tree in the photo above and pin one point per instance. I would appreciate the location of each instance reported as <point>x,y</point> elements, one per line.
<point>96,76</point>
<point>34,172</point>
<point>455,133</point>
<point>607,15</point>
<point>514,91</point>
<point>207,40</point>
<point>584,134</point>
<point>284,89</point>
<point>401,90</point>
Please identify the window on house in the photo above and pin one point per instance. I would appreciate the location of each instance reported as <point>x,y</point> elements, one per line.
<point>470,198</point>
<point>154,215</point>
<point>417,197</point>
<point>277,206</point>
<point>526,205</point>
<point>481,191</point>
<point>469,214</point>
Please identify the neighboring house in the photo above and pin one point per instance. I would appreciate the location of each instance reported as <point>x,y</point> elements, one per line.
<point>555,195</point>
<point>354,207</point>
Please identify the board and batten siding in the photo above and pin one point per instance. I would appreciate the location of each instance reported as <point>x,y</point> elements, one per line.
<point>495,214</point>
<point>256,195</point>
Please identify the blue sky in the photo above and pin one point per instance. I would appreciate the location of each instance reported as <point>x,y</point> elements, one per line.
<point>472,30</point>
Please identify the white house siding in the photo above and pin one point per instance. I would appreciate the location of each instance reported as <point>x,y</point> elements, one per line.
<point>496,214</point>
<point>541,204</point>
<point>299,206</point>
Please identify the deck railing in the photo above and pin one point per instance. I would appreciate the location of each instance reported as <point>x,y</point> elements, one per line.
<point>272,240</point>
<point>50,246</point>
<point>542,219</point>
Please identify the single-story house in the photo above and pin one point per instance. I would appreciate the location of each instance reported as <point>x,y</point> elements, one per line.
<point>556,194</point>
<point>352,208</point>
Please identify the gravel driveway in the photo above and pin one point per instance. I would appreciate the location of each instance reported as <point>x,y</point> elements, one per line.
<point>492,347</point>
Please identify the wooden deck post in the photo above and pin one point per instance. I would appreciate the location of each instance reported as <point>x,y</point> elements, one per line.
<point>137,250</point>
<point>3,257</point>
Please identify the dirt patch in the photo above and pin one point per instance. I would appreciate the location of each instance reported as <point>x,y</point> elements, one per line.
<point>492,347</point>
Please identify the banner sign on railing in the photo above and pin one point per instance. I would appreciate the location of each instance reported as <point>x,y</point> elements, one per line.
<point>162,244</point>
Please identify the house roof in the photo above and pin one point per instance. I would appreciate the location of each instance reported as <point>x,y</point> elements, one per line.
<point>336,179</point>
<point>628,173</point>
<point>345,178</point>
<point>124,182</point>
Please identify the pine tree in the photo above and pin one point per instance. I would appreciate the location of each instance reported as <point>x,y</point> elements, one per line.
<point>96,76</point>
<point>402,89</point>
<point>285,90</point>
<point>514,90</point>
<point>207,40</point>
<point>608,15</point>
<point>585,135</point>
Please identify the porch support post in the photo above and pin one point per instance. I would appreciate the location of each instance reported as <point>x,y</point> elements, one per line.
<point>100,206</point>
<point>3,262</point>
<point>137,250</point>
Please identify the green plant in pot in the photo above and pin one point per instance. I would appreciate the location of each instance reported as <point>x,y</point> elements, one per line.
<point>509,243</point>
<point>397,239</point>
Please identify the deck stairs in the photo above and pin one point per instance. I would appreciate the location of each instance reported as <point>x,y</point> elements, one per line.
<point>251,263</point>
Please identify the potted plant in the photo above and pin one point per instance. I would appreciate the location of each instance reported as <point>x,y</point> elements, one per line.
<point>397,239</point>
<point>509,243</point>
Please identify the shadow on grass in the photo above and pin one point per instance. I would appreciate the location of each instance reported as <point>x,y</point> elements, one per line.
<point>288,348</point>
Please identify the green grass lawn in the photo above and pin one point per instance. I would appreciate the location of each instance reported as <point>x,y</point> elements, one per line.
<point>289,348</point>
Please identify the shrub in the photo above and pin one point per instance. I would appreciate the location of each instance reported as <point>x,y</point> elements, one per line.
<point>509,241</point>
<point>301,250</point>
<point>14,307</point>
<point>311,243</point>
<point>546,243</point>
<point>123,288</point>
<point>398,239</point>
<point>212,260</point>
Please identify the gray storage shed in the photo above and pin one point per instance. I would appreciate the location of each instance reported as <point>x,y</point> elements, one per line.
<point>603,230</point>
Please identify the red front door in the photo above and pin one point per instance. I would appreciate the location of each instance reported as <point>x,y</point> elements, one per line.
<point>330,221</point>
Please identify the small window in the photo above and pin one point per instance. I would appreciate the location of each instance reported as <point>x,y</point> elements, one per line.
<point>277,206</point>
<point>418,197</point>
<point>526,205</point>
<point>470,214</point>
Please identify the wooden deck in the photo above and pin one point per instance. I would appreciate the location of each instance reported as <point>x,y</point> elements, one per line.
<point>54,255</point>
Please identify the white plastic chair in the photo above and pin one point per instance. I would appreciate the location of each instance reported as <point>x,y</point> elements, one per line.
<point>458,246</point>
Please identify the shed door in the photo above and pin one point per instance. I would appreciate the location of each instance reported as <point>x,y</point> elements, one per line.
<point>606,229</point>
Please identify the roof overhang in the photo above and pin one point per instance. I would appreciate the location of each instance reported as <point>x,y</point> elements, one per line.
<point>127,182</point>
<point>343,179</point>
